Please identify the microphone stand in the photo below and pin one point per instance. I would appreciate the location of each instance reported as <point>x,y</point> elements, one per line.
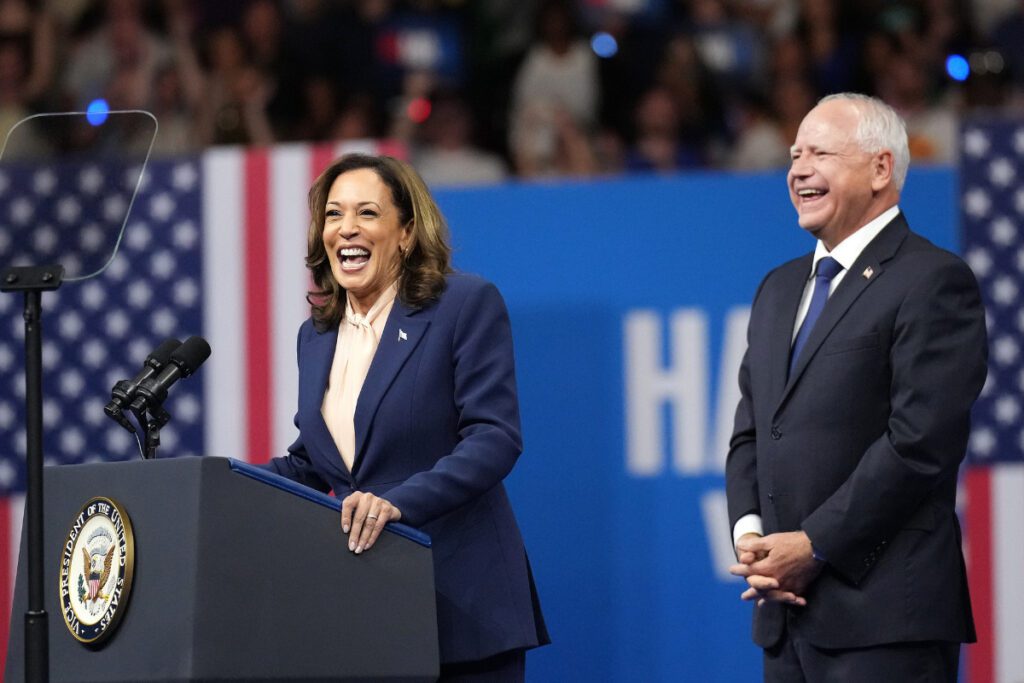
<point>33,281</point>
<point>158,418</point>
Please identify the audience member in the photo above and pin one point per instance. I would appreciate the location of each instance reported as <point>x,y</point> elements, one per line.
<point>447,155</point>
<point>555,96</point>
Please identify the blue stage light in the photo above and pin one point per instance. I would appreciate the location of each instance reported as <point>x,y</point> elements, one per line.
<point>957,67</point>
<point>97,111</point>
<point>604,45</point>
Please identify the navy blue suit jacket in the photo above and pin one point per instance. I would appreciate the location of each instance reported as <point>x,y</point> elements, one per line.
<point>861,444</point>
<point>437,430</point>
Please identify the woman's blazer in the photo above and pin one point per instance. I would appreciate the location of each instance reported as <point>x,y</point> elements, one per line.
<point>437,430</point>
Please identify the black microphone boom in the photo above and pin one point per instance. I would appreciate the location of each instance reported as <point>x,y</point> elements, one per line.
<point>124,391</point>
<point>185,360</point>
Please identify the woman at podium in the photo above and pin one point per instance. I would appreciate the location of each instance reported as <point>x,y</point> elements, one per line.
<point>408,408</point>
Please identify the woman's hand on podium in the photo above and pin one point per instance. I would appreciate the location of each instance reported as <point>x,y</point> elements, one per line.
<point>363,516</point>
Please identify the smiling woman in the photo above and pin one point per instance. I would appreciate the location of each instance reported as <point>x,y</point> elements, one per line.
<point>372,203</point>
<point>408,407</point>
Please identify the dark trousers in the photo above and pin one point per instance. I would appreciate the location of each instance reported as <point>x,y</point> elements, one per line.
<point>507,667</point>
<point>794,660</point>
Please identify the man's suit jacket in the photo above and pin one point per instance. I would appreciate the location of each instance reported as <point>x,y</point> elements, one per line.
<point>437,429</point>
<point>861,444</point>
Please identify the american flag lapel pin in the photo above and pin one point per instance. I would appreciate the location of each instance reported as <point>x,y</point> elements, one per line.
<point>868,272</point>
<point>402,336</point>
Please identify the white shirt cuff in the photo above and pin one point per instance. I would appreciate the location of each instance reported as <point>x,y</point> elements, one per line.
<point>747,524</point>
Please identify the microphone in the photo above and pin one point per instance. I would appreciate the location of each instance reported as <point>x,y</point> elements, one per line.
<point>124,391</point>
<point>184,360</point>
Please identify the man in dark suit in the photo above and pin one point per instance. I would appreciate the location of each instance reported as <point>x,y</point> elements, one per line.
<point>863,361</point>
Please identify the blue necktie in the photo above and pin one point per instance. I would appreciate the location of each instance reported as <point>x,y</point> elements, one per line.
<point>828,268</point>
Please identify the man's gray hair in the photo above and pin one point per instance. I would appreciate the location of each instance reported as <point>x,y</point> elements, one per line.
<point>880,128</point>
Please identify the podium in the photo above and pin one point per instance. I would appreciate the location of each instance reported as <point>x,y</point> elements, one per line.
<point>239,575</point>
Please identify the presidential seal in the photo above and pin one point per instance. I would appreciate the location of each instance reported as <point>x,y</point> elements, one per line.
<point>96,570</point>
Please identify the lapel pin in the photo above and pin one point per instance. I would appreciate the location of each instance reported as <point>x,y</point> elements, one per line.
<point>402,336</point>
<point>868,272</point>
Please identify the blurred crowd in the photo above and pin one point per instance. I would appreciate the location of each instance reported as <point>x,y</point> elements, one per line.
<point>480,90</point>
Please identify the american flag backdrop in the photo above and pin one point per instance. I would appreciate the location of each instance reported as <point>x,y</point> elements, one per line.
<point>992,214</point>
<point>214,245</point>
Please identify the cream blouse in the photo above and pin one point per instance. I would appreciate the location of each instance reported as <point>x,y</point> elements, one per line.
<point>358,338</point>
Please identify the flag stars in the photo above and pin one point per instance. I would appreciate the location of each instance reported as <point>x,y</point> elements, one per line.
<point>68,210</point>
<point>1001,172</point>
<point>1004,291</point>
<point>1003,231</point>
<point>138,236</point>
<point>73,266</point>
<point>118,440</point>
<point>6,358</point>
<point>72,441</point>
<point>90,180</point>
<point>137,177</point>
<point>980,261</point>
<point>1006,410</point>
<point>977,203</point>
<point>163,264</point>
<point>71,383</point>
<point>1018,141</point>
<point>118,268</point>
<point>18,385</point>
<point>94,353</point>
<point>114,209</point>
<point>92,412</point>
<point>51,413</point>
<point>1005,350</point>
<point>186,235</point>
<point>22,211</point>
<point>44,240</point>
<point>163,322</point>
<point>187,409</point>
<point>184,177</point>
<point>976,143</point>
<point>138,349</point>
<point>17,328</point>
<point>91,238</point>
<point>44,182</point>
<point>162,206</point>
<point>8,474</point>
<point>51,355</point>
<point>93,295</point>
<point>7,415</point>
<point>982,442</point>
<point>117,324</point>
<point>70,325</point>
<point>139,294</point>
<point>185,292</point>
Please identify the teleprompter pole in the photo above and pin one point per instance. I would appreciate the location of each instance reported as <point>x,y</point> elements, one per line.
<point>33,281</point>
